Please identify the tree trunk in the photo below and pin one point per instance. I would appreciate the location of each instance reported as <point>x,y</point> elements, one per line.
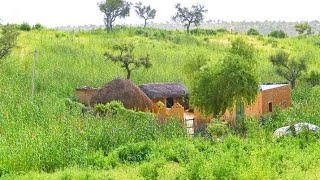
<point>293,84</point>
<point>188,29</point>
<point>109,25</point>
<point>128,74</point>
<point>145,23</point>
<point>108,29</point>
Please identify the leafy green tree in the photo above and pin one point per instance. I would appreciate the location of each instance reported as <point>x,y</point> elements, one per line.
<point>188,17</point>
<point>289,68</point>
<point>8,39</point>
<point>25,27</point>
<point>127,59</point>
<point>113,9</point>
<point>145,12</point>
<point>216,89</point>
<point>278,34</point>
<point>303,28</point>
<point>253,32</point>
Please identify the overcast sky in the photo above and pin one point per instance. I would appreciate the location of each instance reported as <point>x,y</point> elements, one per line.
<point>53,13</point>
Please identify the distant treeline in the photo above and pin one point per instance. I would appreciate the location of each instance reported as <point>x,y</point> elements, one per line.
<point>264,27</point>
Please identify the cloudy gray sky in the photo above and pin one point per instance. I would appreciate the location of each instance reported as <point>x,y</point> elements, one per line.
<point>53,13</point>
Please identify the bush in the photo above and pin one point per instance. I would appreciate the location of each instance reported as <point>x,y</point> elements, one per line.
<point>108,109</point>
<point>25,27</point>
<point>96,159</point>
<point>217,129</point>
<point>141,32</point>
<point>135,153</point>
<point>150,170</point>
<point>314,78</point>
<point>222,30</point>
<point>203,32</point>
<point>253,32</point>
<point>38,26</point>
<point>278,34</point>
<point>180,151</point>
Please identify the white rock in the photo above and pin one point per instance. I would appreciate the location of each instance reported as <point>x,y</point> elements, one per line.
<point>298,128</point>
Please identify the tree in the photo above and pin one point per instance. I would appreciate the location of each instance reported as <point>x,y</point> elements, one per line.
<point>253,32</point>
<point>8,39</point>
<point>127,59</point>
<point>303,28</point>
<point>113,9</point>
<point>145,12</point>
<point>216,89</point>
<point>278,34</point>
<point>289,68</point>
<point>188,17</point>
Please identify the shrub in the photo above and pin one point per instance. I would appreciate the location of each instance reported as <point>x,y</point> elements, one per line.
<point>60,35</point>
<point>180,151</point>
<point>25,27</point>
<point>141,32</point>
<point>253,32</point>
<point>203,32</point>
<point>38,26</point>
<point>96,159</point>
<point>135,153</point>
<point>150,170</point>
<point>108,109</point>
<point>272,42</point>
<point>278,34</point>
<point>222,30</point>
<point>217,128</point>
<point>314,78</point>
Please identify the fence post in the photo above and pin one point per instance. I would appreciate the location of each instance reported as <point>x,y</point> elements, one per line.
<point>34,71</point>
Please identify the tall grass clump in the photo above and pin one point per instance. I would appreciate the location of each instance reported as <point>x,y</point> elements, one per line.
<point>47,138</point>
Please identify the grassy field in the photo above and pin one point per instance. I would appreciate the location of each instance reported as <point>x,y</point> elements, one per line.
<point>42,138</point>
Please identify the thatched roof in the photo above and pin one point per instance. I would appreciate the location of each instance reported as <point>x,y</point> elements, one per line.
<point>124,91</point>
<point>164,90</point>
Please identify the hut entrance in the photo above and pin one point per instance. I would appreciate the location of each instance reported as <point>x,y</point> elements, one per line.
<point>270,106</point>
<point>169,103</point>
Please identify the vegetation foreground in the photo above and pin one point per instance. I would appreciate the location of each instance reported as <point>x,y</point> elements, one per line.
<point>43,137</point>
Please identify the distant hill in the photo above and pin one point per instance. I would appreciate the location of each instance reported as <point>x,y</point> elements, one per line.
<point>264,27</point>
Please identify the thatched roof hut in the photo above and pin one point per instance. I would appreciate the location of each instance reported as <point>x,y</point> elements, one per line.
<point>164,90</point>
<point>125,91</point>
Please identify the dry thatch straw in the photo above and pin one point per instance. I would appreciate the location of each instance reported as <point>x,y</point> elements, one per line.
<point>164,90</point>
<point>125,91</point>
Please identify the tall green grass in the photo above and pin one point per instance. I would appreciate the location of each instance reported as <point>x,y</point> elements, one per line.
<point>42,134</point>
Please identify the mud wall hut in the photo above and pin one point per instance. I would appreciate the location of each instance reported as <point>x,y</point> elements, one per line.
<point>270,96</point>
<point>125,91</point>
<point>84,94</point>
<point>168,93</point>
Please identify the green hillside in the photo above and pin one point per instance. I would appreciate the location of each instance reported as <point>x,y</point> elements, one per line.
<point>43,138</point>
